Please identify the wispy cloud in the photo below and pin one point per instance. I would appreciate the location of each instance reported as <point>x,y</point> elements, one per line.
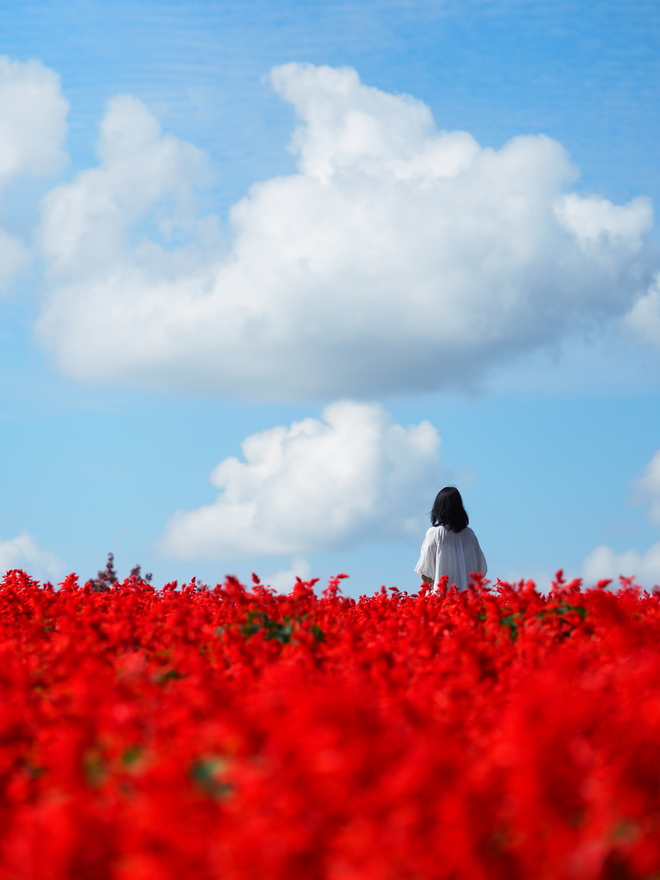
<point>648,487</point>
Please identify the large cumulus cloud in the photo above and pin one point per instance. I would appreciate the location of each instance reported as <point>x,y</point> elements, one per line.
<point>396,258</point>
<point>319,484</point>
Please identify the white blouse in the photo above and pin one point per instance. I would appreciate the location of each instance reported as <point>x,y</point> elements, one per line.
<point>456,554</point>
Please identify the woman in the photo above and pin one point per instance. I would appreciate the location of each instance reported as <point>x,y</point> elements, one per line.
<point>450,547</point>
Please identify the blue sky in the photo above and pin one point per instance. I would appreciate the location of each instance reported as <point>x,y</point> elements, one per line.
<point>452,277</point>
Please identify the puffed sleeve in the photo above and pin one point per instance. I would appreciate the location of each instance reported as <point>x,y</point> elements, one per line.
<point>426,564</point>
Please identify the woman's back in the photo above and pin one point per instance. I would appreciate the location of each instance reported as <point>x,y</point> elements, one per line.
<point>450,547</point>
<point>456,554</point>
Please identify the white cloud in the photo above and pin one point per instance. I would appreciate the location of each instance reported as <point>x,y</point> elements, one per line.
<point>648,487</point>
<point>397,258</point>
<point>644,317</point>
<point>285,581</point>
<point>32,131</point>
<point>85,226</point>
<point>319,484</point>
<point>604,563</point>
<point>32,120</point>
<point>13,257</point>
<point>23,552</point>
<point>593,219</point>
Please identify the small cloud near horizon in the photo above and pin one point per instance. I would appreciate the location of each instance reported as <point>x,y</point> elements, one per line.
<point>345,479</point>
<point>23,552</point>
<point>603,563</point>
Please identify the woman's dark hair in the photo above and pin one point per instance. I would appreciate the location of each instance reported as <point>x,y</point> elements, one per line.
<point>448,510</point>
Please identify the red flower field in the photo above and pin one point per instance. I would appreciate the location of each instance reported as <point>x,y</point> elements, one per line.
<point>191,734</point>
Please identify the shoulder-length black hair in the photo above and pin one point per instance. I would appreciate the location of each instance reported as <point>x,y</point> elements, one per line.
<point>448,510</point>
